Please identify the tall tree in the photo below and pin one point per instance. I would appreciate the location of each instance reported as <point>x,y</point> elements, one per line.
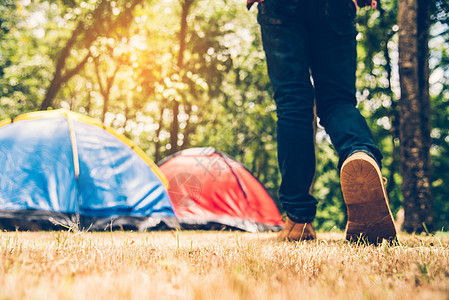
<point>174,131</point>
<point>415,122</point>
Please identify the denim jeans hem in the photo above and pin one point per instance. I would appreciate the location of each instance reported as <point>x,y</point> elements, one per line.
<point>364,150</point>
<point>303,219</point>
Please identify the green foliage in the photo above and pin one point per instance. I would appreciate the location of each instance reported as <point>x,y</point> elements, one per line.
<point>25,49</point>
<point>331,210</point>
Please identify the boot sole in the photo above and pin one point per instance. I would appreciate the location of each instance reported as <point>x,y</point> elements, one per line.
<point>369,215</point>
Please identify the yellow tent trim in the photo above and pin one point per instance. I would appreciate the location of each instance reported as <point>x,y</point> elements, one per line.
<point>5,122</point>
<point>75,116</point>
<point>40,114</point>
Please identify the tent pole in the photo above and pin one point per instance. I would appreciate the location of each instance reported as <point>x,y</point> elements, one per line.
<point>76,163</point>
<point>235,175</point>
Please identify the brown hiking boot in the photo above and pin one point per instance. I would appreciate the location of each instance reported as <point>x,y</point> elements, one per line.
<point>296,231</point>
<point>369,215</point>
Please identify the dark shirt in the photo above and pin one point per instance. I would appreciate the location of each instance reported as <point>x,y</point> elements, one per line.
<point>360,3</point>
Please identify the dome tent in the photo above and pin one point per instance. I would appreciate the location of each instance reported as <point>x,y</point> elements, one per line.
<point>210,190</point>
<point>62,169</point>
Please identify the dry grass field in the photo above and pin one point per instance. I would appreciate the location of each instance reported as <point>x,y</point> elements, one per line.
<point>218,265</point>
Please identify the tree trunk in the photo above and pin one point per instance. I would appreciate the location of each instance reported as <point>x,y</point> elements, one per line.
<point>174,130</point>
<point>105,88</point>
<point>157,144</point>
<point>189,129</point>
<point>414,23</point>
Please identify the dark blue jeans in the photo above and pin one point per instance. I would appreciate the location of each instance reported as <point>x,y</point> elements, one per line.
<point>310,47</point>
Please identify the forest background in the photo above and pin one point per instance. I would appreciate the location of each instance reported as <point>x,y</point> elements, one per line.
<point>176,74</point>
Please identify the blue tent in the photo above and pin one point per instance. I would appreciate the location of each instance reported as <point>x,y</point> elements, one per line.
<point>59,168</point>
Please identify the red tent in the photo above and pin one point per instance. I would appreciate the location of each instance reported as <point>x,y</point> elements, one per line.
<point>210,190</point>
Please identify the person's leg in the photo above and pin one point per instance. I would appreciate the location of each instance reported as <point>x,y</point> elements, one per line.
<point>334,60</point>
<point>285,41</point>
<point>333,68</point>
